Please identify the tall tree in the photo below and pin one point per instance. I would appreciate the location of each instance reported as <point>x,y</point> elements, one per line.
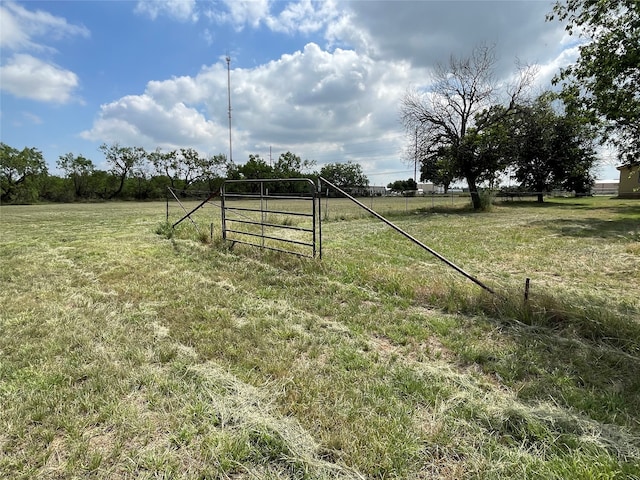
<point>122,161</point>
<point>553,148</point>
<point>79,170</point>
<point>18,171</point>
<point>166,163</point>
<point>255,168</point>
<point>464,98</point>
<point>214,174</point>
<point>606,76</point>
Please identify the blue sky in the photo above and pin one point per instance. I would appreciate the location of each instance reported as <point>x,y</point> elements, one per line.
<point>320,79</point>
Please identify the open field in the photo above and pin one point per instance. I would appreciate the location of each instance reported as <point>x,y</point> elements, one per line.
<point>130,351</point>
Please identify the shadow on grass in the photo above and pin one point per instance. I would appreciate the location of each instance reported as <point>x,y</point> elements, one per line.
<point>583,357</point>
<point>622,220</point>
<point>625,228</point>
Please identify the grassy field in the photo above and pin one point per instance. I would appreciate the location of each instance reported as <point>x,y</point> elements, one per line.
<point>128,350</point>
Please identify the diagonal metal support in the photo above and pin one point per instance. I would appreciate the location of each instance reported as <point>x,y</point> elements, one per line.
<point>413,239</point>
<point>188,215</point>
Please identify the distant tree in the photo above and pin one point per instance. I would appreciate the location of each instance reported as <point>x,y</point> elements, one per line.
<point>122,160</point>
<point>192,166</point>
<point>166,163</point>
<point>347,176</point>
<point>463,102</point>
<point>606,76</point>
<point>400,186</point>
<point>19,172</point>
<point>184,167</point>
<point>255,168</point>
<point>290,166</point>
<point>215,173</point>
<point>79,170</point>
<point>554,149</point>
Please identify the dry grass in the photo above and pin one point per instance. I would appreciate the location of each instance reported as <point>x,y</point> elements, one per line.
<point>130,354</point>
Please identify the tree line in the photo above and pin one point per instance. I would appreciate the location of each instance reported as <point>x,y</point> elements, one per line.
<point>133,173</point>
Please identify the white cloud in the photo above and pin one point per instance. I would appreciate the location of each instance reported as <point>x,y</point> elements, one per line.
<point>240,13</point>
<point>28,77</point>
<point>181,10</point>
<point>334,103</point>
<point>312,102</point>
<point>304,16</point>
<point>140,120</point>
<point>22,29</point>
<point>24,75</point>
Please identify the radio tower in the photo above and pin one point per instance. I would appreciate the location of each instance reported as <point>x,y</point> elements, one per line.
<point>229,97</point>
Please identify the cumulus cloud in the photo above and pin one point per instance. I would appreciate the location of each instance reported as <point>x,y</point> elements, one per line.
<point>28,77</point>
<point>332,102</point>
<point>22,29</point>
<point>304,16</point>
<point>241,13</point>
<point>25,76</point>
<point>181,10</point>
<point>312,102</point>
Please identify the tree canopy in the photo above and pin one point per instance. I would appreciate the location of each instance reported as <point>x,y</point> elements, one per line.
<point>19,169</point>
<point>606,76</point>
<point>402,186</point>
<point>457,118</point>
<point>552,147</point>
<point>347,176</point>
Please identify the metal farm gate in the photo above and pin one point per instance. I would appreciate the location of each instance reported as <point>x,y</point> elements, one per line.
<point>275,214</point>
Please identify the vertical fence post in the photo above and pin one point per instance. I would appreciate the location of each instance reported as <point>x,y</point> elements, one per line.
<point>526,289</point>
<point>326,208</point>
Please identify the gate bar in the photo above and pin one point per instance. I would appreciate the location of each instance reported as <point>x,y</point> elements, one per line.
<point>312,197</point>
<point>215,194</point>
<point>413,239</point>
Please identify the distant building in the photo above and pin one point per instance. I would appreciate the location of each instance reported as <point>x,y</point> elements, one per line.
<point>605,187</point>
<point>629,181</point>
<point>426,188</point>
<point>375,191</point>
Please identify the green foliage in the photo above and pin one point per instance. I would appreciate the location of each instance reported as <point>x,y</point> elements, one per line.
<point>401,186</point>
<point>20,172</point>
<point>165,229</point>
<point>458,124</point>
<point>122,160</point>
<point>348,176</point>
<point>79,170</point>
<point>606,78</point>
<point>487,197</point>
<point>552,149</point>
<point>438,166</point>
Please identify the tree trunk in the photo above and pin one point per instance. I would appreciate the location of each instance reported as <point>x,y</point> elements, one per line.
<point>473,191</point>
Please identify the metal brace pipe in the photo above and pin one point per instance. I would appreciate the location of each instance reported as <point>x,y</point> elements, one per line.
<point>413,239</point>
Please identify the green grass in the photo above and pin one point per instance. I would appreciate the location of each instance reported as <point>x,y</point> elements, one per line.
<point>130,350</point>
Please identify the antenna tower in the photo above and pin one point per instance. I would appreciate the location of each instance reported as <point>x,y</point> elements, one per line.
<point>229,97</point>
